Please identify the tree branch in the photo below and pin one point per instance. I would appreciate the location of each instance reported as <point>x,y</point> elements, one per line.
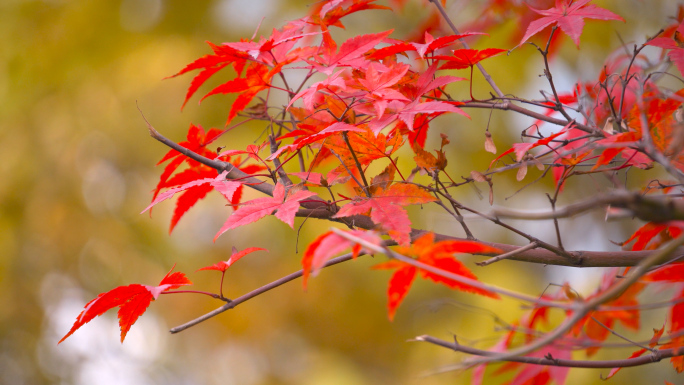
<point>607,364</point>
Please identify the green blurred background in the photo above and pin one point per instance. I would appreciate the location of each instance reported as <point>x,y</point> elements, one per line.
<point>78,167</point>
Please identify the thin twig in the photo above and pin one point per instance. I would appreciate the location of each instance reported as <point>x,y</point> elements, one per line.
<point>530,246</point>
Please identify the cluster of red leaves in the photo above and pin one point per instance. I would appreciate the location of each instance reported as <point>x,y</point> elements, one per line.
<point>363,110</point>
<point>197,180</point>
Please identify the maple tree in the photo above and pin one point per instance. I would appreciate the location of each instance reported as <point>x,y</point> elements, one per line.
<point>379,94</point>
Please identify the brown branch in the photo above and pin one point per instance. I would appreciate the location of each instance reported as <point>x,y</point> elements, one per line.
<point>508,106</point>
<point>657,208</point>
<point>599,364</point>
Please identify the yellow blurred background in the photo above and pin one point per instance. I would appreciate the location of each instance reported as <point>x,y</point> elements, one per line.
<point>78,167</point>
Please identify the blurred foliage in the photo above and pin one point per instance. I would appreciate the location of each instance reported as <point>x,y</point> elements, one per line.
<point>78,168</point>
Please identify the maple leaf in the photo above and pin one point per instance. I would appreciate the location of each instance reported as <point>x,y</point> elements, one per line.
<point>599,331</point>
<point>350,53</point>
<point>309,139</point>
<point>540,374</point>
<point>272,50</point>
<point>210,64</point>
<point>331,12</point>
<point>622,141</point>
<point>427,81</point>
<point>675,45</point>
<point>366,146</point>
<point>224,265</point>
<point>439,255</point>
<point>197,140</point>
<point>226,187</point>
<point>257,78</point>
<point>329,244</point>
<point>407,113</point>
<point>386,209</point>
<point>464,58</point>
<point>378,82</point>
<point>645,234</point>
<point>132,301</point>
<point>285,208</point>
<point>428,161</point>
<point>333,82</point>
<point>521,148</point>
<point>669,273</point>
<point>569,16</point>
<point>657,333</point>
<point>664,125</point>
<point>431,44</point>
<point>317,179</point>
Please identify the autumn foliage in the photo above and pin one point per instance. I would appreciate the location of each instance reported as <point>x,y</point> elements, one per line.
<point>363,99</point>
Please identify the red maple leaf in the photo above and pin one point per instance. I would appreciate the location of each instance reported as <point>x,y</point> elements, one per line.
<point>431,44</point>
<point>285,208</point>
<point>599,331</point>
<point>386,208</point>
<point>673,273</point>
<point>350,53</point>
<point>378,84</point>
<point>210,64</point>
<point>224,265</point>
<point>195,182</point>
<point>132,301</point>
<point>197,140</point>
<point>569,16</point>
<point>273,50</point>
<point>615,144</point>
<point>645,234</point>
<point>439,255</point>
<point>328,245</point>
<point>676,327</point>
<point>521,148</point>
<point>541,374</point>
<point>657,333</point>
<point>407,113</point>
<point>675,45</point>
<point>329,13</point>
<point>315,137</point>
<point>669,273</point>
<point>464,58</point>
<point>334,83</point>
<point>227,188</point>
<point>257,78</point>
